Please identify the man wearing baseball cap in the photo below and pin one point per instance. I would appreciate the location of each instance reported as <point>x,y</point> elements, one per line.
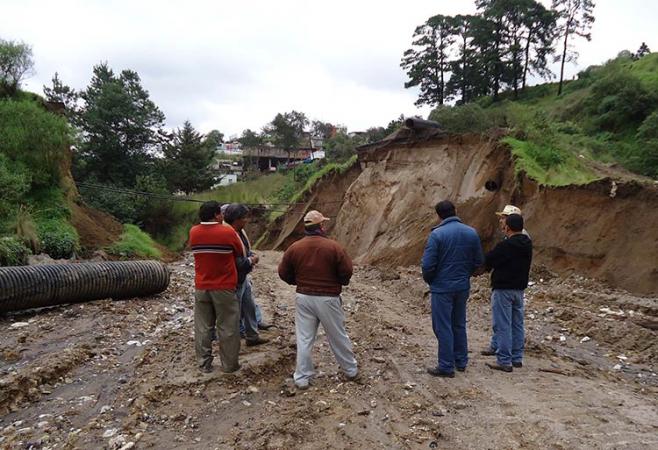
<point>507,211</point>
<point>320,267</point>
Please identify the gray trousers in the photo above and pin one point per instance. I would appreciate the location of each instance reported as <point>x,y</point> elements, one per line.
<point>311,311</point>
<point>248,309</point>
<point>220,309</point>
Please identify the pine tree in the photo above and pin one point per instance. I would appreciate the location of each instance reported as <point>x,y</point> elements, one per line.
<point>187,159</point>
<point>575,19</point>
<point>59,92</point>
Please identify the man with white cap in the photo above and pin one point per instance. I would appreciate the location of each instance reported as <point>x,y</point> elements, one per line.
<point>507,211</point>
<point>319,266</point>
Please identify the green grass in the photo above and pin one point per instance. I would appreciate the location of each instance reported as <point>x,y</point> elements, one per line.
<point>133,242</point>
<point>564,170</point>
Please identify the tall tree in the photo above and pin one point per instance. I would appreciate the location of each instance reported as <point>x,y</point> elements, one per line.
<point>322,129</point>
<point>464,67</point>
<point>286,130</point>
<point>428,61</point>
<point>251,138</point>
<point>186,163</point>
<point>575,18</point>
<point>213,139</point>
<point>59,92</point>
<point>15,64</point>
<point>492,40</point>
<point>121,127</point>
<point>540,28</point>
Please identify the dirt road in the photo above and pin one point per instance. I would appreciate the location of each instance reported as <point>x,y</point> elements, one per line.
<point>121,374</point>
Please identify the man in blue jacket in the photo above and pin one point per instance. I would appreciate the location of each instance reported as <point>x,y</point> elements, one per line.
<point>452,254</point>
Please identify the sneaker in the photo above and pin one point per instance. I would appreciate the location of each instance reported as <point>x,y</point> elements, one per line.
<point>206,368</point>
<point>302,386</point>
<point>265,326</point>
<point>496,366</point>
<point>435,372</point>
<point>356,378</point>
<point>461,369</point>
<point>257,341</point>
<point>488,352</point>
<point>235,369</point>
<point>517,364</point>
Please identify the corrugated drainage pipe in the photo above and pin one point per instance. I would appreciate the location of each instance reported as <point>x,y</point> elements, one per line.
<point>27,287</point>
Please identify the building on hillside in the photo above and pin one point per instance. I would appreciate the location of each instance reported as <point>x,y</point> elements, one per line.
<point>226,171</point>
<point>230,148</point>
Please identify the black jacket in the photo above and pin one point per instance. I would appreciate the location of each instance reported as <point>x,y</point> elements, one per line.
<point>243,263</point>
<point>510,261</point>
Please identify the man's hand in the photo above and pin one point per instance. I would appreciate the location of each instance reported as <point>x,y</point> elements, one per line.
<point>479,271</point>
<point>254,259</point>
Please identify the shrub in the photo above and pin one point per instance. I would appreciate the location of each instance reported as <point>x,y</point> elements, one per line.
<point>469,118</point>
<point>13,252</point>
<point>58,238</point>
<point>135,243</point>
<point>26,230</point>
<point>34,137</point>
<point>14,183</point>
<point>621,101</point>
<point>649,128</point>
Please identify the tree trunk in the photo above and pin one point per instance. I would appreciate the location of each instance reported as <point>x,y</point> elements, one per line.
<point>564,57</point>
<point>527,59</point>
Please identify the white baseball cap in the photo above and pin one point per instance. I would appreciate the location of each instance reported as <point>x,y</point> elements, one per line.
<point>314,218</point>
<point>509,209</point>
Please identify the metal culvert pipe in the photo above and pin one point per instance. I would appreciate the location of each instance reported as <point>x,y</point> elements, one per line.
<point>416,124</point>
<point>26,287</point>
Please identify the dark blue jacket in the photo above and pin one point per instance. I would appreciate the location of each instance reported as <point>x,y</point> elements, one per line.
<point>452,254</point>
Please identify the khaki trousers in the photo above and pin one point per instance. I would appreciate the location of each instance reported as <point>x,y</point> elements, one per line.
<point>219,309</point>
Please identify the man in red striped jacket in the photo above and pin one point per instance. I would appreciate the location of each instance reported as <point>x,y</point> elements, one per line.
<point>217,249</point>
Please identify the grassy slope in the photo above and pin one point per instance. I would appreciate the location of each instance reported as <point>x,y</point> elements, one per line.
<point>564,126</point>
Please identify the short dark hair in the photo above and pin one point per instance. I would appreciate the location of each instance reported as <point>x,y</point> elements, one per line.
<point>445,209</point>
<point>514,222</point>
<point>209,210</point>
<point>235,211</point>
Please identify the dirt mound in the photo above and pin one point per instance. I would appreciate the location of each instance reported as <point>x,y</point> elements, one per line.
<point>605,229</point>
<point>96,229</point>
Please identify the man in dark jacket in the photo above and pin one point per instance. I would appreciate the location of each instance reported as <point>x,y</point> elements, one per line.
<point>510,261</point>
<point>452,254</point>
<point>237,216</point>
<point>320,267</point>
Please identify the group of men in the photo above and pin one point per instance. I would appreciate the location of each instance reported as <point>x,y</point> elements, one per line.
<point>452,255</point>
<point>319,267</point>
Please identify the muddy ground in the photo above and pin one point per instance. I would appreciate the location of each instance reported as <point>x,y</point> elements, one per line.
<point>120,374</point>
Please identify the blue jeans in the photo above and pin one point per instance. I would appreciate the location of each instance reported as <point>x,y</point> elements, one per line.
<point>507,315</point>
<point>248,320</point>
<point>449,325</point>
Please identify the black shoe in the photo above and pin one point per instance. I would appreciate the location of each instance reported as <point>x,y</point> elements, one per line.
<point>496,366</point>
<point>461,369</point>
<point>206,368</point>
<point>265,326</point>
<point>440,373</point>
<point>232,369</point>
<point>517,364</point>
<point>257,341</point>
<point>488,352</point>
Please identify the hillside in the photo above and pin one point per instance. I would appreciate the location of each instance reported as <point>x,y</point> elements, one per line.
<point>604,124</point>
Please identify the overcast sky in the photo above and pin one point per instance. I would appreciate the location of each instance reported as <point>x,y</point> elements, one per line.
<point>234,65</point>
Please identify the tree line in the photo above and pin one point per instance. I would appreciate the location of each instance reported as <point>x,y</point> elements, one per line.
<point>463,57</point>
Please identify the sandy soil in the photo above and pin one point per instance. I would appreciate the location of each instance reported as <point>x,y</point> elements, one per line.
<point>121,374</point>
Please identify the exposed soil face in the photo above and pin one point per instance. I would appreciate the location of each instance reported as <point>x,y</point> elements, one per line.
<point>96,229</point>
<point>107,374</point>
<point>606,229</point>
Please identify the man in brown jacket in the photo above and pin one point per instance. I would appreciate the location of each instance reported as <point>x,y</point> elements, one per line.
<point>319,267</point>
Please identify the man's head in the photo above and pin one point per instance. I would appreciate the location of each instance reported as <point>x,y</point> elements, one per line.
<point>506,212</point>
<point>445,209</point>
<point>314,220</point>
<point>210,212</point>
<point>513,224</point>
<point>223,208</point>
<point>236,215</point>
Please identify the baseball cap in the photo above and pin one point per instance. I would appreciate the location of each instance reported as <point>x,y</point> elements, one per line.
<point>314,217</point>
<point>509,209</point>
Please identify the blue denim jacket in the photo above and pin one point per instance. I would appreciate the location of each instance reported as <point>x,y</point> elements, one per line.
<point>452,254</point>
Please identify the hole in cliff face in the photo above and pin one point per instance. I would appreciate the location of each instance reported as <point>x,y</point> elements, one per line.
<point>491,186</point>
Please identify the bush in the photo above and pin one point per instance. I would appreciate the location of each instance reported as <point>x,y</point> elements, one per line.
<point>13,252</point>
<point>58,238</point>
<point>34,137</point>
<point>14,183</point>
<point>649,128</point>
<point>469,118</point>
<point>621,101</point>
<point>26,230</point>
<point>135,243</point>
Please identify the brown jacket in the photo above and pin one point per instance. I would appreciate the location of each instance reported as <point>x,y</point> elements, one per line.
<point>317,265</point>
